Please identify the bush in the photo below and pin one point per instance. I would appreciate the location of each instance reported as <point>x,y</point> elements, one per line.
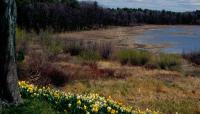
<point>42,72</point>
<point>134,57</point>
<point>193,57</point>
<point>54,75</point>
<point>90,55</point>
<point>73,47</point>
<point>168,61</point>
<point>55,48</point>
<point>105,49</point>
<point>90,58</point>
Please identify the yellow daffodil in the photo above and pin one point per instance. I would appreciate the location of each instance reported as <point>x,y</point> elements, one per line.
<point>85,107</point>
<point>113,111</point>
<point>109,109</point>
<point>94,101</point>
<point>79,102</point>
<point>95,108</point>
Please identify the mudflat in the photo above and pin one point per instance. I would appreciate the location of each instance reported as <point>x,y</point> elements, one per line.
<point>168,38</point>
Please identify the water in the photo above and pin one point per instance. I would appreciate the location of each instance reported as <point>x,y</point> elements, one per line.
<point>178,38</point>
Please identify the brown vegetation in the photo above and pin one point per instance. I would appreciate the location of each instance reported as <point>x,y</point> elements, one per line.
<point>91,66</point>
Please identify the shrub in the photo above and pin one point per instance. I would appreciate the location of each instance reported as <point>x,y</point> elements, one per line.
<point>90,58</point>
<point>55,48</point>
<point>54,75</point>
<point>35,62</point>
<point>193,57</point>
<point>42,72</point>
<point>134,57</point>
<point>90,55</point>
<point>73,47</point>
<point>105,49</point>
<point>168,61</point>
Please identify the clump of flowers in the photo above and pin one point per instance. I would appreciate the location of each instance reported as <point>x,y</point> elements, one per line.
<point>77,104</point>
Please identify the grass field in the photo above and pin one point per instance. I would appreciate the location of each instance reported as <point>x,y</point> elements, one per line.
<point>164,82</point>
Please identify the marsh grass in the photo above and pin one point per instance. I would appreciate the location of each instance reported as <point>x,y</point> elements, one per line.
<point>134,57</point>
<point>148,59</point>
<point>168,61</point>
<point>50,43</point>
<point>90,55</point>
<point>73,47</point>
<point>138,87</point>
<point>24,38</point>
<point>87,48</point>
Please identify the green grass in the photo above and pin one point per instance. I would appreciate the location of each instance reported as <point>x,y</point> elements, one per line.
<point>134,57</point>
<point>145,58</point>
<point>90,55</point>
<point>51,43</point>
<point>30,106</point>
<point>168,61</point>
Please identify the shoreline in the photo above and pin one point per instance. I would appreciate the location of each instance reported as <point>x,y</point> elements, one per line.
<point>121,37</point>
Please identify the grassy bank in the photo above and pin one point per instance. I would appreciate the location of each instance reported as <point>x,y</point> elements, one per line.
<point>67,103</point>
<point>30,106</point>
<point>134,77</point>
<point>155,90</point>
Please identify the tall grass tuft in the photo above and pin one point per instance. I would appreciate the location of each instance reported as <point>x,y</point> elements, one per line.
<point>90,58</point>
<point>134,57</point>
<point>148,59</point>
<point>105,49</point>
<point>73,47</point>
<point>50,43</point>
<point>168,61</point>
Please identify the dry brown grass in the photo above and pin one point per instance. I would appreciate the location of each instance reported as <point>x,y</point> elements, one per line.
<point>162,90</point>
<point>167,91</point>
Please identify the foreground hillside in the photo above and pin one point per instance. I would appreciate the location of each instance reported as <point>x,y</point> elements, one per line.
<point>68,103</point>
<point>168,83</point>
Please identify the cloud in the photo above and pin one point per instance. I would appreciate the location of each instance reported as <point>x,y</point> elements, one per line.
<point>173,5</point>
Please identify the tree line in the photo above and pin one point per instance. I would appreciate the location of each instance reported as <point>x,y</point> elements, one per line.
<point>63,15</point>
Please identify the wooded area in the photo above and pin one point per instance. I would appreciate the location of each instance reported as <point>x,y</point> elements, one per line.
<point>72,15</point>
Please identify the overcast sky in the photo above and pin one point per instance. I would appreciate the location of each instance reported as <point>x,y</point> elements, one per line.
<point>173,5</point>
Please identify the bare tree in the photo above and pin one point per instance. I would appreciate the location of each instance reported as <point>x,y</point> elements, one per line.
<point>9,90</point>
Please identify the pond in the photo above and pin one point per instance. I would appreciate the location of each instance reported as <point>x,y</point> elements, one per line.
<point>175,39</point>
